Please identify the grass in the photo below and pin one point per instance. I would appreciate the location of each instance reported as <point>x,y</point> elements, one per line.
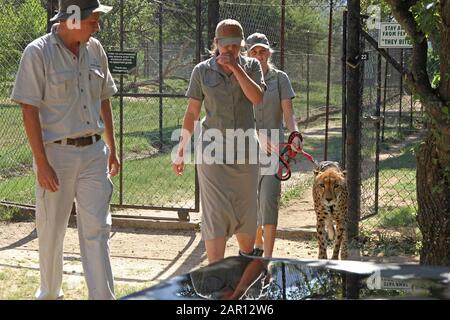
<point>317,96</point>
<point>11,214</point>
<point>398,217</point>
<point>387,244</point>
<point>21,284</point>
<point>293,193</point>
<point>151,182</point>
<point>148,180</point>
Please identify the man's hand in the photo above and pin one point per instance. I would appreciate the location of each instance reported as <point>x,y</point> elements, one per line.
<point>47,177</point>
<point>113,164</point>
<point>178,163</point>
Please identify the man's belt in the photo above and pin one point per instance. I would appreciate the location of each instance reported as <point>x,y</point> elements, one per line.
<point>79,142</point>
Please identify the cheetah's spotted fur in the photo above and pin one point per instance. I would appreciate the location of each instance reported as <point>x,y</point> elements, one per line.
<point>330,203</point>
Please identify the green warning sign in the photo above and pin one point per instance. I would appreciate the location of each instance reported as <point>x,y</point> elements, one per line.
<point>122,62</point>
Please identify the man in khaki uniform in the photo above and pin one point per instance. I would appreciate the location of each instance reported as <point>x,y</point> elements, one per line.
<point>63,86</point>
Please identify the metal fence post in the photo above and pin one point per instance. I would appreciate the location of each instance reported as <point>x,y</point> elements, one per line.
<point>308,48</point>
<point>377,128</point>
<point>327,103</point>
<point>282,33</point>
<point>121,109</point>
<point>50,12</point>
<point>411,112</point>
<point>344,88</point>
<point>401,96</point>
<point>161,76</point>
<point>386,67</point>
<point>353,123</point>
<point>213,19</point>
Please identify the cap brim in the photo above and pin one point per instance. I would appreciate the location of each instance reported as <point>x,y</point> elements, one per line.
<point>229,41</point>
<point>84,14</point>
<point>59,16</point>
<point>258,45</point>
<point>102,9</point>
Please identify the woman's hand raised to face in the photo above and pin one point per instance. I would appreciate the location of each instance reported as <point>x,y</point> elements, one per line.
<point>227,60</point>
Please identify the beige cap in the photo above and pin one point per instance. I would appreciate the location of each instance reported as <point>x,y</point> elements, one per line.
<point>229,31</point>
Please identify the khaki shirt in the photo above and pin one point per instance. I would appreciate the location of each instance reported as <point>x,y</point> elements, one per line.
<point>225,103</point>
<point>269,114</point>
<point>67,90</point>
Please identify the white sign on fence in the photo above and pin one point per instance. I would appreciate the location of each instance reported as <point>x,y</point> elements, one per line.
<point>392,36</point>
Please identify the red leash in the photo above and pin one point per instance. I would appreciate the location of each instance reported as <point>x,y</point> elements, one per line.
<point>288,155</point>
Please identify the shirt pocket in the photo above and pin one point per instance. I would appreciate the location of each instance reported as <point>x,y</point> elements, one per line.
<point>272,85</point>
<point>61,86</point>
<point>212,80</point>
<point>96,78</point>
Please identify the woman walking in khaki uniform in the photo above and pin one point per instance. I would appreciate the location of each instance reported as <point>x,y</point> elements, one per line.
<point>277,104</point>
<point>228,84</point>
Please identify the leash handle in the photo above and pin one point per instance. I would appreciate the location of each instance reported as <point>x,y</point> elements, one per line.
<point>284,172</point>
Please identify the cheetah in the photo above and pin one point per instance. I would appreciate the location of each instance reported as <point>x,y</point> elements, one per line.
<point>330,203</point>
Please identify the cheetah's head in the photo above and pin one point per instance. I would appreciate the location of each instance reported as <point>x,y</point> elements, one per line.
<point>330,184</point>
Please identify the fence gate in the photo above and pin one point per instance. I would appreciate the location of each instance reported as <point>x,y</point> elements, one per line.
<point>391,123</point>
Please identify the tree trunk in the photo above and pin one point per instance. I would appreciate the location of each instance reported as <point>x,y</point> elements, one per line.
<point>433,156</point>
<point>433,196</point>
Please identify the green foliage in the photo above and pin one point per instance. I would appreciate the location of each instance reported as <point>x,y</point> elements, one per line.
<point>20,23</point>
<point>387,244</point>
<point>426,14</point>
<point>11,214</point>
<point>293,193</point>
<point>398,217</point>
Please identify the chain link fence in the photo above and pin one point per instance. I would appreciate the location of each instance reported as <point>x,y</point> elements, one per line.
<point>20,23</point>
<point>305,52</point>
<point>305,46</point>
<point>152,99</point>
<point>390,129</point>
<point>169,38</point>
<point>150,104</point>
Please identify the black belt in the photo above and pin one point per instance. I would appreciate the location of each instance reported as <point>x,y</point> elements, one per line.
<point>80,142</point>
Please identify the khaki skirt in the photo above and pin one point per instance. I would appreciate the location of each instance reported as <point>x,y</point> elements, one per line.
<point>228,199</point>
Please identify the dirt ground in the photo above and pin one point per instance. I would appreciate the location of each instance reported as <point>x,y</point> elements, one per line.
<point>141,258</point>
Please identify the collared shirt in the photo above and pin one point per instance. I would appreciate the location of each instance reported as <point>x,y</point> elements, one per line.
<point>269,114</point>
<point>67,90</point>
<point>226,105</point>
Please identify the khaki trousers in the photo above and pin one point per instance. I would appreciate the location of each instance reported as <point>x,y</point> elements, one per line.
<point>82,175</point>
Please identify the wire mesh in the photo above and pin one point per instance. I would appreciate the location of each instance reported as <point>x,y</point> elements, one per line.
<point>388,188</point>
<point>305,56</point>
<point>21,21</point>
<point>165,42</point>
<point>305,49</point>
<point>158,32</point>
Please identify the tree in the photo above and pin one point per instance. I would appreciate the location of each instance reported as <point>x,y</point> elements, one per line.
<point>429,22</point>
